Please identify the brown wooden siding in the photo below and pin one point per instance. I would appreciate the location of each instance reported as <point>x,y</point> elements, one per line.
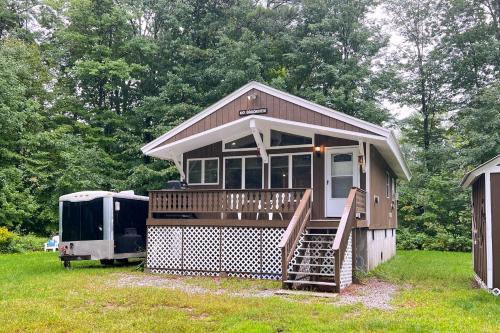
<point>495,226</point>
<point>383,213</point>
<point>276,108</point>
<point>479,228</point>
<point>318,206</point>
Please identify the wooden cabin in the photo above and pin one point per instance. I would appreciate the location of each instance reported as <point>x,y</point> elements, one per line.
<point>279,188</point>
<point>485,183</point>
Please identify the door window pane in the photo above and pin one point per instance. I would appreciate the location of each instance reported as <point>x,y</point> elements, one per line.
<point>301,171</point>
<point>233,172</point>
<point>194,172</point>
<point>342,165</point>
<point>341,186</point>
<point>211,171</point>
<point>253,173</point>
<point>287,139</point>
<point>279,171</point>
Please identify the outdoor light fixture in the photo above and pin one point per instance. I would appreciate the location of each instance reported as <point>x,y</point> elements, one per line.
<point>252,97</point>
<point>317,149</point>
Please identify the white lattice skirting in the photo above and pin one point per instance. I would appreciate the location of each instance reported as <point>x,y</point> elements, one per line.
<point>235,251</point>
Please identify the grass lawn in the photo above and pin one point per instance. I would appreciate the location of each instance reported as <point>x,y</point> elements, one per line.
<point>37,294</point>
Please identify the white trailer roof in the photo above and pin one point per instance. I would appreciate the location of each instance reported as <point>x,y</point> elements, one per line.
<point>91,195</point>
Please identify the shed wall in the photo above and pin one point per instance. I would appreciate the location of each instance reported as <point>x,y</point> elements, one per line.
<point>479,228</point>
<point>495,226</point>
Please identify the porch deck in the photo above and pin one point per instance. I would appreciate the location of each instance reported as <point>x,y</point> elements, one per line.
<point>267,222</point>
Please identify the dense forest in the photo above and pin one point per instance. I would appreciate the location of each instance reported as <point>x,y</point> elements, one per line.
<point>85,83</point>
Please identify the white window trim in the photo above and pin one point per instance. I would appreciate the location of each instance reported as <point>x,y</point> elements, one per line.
<point>266,133</point>
<point>243,158</point>
<point>202,170</point>
<point>236,137</point>
<point>290,175</point>
<point>267,138</point>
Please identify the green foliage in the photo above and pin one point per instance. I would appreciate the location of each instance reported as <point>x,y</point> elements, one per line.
<point>11,242</point>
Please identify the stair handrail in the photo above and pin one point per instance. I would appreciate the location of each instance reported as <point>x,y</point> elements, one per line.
<point>347,222</point>
<point>296,227</point>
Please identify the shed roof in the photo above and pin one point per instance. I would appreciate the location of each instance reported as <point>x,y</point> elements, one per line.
<point>473,174</point>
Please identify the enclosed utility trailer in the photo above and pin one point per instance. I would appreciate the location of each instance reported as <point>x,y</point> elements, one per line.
<point>101,225</point>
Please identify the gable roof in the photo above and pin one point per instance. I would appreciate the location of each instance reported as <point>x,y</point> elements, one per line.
<point>371,129</point>
<point>274,92</point>
<point>471,176</point>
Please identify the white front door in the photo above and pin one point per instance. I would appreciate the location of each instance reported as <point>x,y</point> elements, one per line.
<point>341,174</point>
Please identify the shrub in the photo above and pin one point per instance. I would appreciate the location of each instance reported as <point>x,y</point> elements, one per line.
<point>11,242</point>
<point>6,238</point>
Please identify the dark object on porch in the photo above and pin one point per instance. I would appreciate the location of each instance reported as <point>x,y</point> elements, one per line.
<point>177,185</point>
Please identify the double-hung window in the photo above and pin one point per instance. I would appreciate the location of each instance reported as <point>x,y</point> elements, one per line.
<point>203,171</point>
<point>290,171</point>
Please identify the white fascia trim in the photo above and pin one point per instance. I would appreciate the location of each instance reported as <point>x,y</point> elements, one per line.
<point>393,144</point>
<point>473,174</point>
<point>277,93</point>
<point>368,184</point>
<point>212,108</point>
<point>157,149</point>
<point>489,236</point>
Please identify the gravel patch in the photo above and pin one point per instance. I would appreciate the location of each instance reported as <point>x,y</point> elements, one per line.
<point>374,294</point>
<point>175,283</point>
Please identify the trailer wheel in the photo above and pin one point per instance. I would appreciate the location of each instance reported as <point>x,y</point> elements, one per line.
<point>67,264</point>
<point>107,262</point>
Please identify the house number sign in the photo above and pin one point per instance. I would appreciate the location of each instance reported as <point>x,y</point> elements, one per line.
<point>252,111</point>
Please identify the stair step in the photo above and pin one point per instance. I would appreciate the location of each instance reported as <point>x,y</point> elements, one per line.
<point>313,257</point>
<point>314,265</point>
<point>318,283</point>
<point>329,235</point>
<point>309,248</point>
<point>316,241</point>
<point>312,274</point>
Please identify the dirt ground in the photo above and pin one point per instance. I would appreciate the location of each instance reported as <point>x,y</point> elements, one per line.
<point>372,293</point>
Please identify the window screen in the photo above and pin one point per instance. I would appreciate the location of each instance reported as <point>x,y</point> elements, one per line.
<point>279,172</point>
<point>301,171</point>
<point>233,171</point>
<point>211,171</point>
<point>287,139</point>
<point>342,175</point>
<point>194,172</point>
<point>253,172</point>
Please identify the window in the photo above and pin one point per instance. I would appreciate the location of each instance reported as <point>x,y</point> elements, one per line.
<point>233,173</point>
<point>387,184</point>
<point>290,171</point>
<point>243,173</point>
<point>246,142</point>
<point>279,172</point>
<point>342,177</point>
<point>301,171</point>
<point>203,171</point>
<point>279,139</point>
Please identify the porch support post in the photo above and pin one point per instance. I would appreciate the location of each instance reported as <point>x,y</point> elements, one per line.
<point>362,154</point>
<point>177,161</point>
<point>258,141</point>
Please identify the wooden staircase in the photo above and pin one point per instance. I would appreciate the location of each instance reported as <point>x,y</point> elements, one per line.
<point>312,257</point>
<point>313,263</point>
